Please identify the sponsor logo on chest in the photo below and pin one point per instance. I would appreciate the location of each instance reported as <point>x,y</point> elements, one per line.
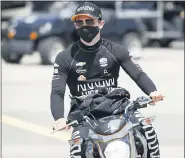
<point>81,78</point>
<point>81,67</point>
<point>80,63</point>
<point>89,88</point>
<point>103,62</point>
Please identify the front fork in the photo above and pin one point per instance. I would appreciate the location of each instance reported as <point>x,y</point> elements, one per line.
<point>132,143</point>
<point>132,146</point>
<point>133,150</point>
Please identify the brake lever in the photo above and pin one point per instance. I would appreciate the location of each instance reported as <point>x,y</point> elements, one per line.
<point>61,129</point>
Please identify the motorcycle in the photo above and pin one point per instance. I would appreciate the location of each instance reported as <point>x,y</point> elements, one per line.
<point>114,136</point>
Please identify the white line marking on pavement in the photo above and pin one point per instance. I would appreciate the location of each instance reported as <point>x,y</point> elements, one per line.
<point>31,127</point>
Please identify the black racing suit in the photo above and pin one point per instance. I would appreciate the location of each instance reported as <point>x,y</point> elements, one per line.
<point>84,68</point>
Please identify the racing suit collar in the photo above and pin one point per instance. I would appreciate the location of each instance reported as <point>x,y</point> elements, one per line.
<point>90,48</point>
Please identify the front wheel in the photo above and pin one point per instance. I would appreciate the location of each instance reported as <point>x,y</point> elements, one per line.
<point>165,43</point>
<point>8,56</point>
<point>11,57</point>
<point>49,49</point>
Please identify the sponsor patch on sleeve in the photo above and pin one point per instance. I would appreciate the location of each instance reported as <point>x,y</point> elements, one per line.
<point>56,66</point>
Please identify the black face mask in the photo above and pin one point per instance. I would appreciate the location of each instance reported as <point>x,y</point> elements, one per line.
<point>87,33</point>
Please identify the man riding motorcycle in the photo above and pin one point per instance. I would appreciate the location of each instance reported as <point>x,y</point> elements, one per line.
<point>93,62</point>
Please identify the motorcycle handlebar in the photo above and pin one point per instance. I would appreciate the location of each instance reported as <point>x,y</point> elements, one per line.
<point>140,102</point>
<point>143,101</point>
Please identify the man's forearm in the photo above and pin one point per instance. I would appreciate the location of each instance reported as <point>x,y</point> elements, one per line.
<point>134,70</point>
<point>57,104</point>
<point>145,83</point>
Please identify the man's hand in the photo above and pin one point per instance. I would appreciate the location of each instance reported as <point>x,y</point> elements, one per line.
<point>59,124</point>
<point>156,96</point>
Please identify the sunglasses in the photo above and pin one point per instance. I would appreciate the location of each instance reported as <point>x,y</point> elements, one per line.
<point>88,22</point>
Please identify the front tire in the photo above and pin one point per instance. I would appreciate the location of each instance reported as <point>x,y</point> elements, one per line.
<point>9,56</point>
<point>165,43</point>
<point>12,58</point>
<point>49,49</point>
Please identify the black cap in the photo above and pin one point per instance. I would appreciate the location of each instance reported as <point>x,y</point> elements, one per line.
<point>88,9</point>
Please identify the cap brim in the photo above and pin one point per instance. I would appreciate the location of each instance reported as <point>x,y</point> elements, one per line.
<point>75,16</point>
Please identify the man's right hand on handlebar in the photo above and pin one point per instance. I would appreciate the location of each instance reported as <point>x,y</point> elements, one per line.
<point>156,96</point>
<point>59,125</point>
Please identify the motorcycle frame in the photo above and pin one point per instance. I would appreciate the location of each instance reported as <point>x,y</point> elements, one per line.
<point>126,131</point>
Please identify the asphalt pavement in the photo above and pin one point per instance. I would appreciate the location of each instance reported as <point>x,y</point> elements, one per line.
<point>27,120</point>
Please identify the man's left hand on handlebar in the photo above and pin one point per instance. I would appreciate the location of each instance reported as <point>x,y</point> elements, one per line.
<point>156,96</point>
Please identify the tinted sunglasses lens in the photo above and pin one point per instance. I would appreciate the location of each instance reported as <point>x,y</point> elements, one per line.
<point>89,22</point>
<point>79,23</point>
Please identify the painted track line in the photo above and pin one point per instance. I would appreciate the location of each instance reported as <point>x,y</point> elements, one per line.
<point>31,127</point>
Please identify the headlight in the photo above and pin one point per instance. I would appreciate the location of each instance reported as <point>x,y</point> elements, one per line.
<point>118,149</point>
<point>45,28</point>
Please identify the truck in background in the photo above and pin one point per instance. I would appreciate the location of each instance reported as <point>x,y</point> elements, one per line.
<point>48,30</point>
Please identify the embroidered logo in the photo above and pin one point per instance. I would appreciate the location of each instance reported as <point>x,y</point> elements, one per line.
<point>103,62</point>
